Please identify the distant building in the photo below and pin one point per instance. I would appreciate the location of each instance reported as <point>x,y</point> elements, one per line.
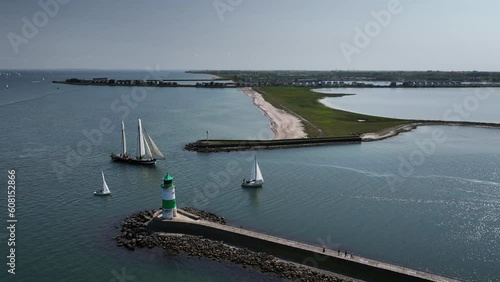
<point>100,80</point>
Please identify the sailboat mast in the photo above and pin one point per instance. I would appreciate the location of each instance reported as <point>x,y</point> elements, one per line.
<point>124,141</point>
<point>140,141</point>
<point>139,138</point>
<point>255,167</point>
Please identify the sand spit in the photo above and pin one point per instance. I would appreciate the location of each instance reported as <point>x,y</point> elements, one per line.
<point>283,124</point>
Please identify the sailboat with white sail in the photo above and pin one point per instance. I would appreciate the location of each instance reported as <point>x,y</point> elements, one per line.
<point>105,189</point>
<point>144,153</point>
<point>256,179</point>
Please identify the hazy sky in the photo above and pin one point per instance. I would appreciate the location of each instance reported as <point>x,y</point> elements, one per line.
<point>251,34</point>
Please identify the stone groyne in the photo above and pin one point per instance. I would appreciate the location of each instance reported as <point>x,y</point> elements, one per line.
<point>208,146</point>
<point>135,233</point>
<point>198,237</point>
<point>212,146</point>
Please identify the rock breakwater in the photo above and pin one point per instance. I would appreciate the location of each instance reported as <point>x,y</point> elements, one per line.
<point>134,234</point>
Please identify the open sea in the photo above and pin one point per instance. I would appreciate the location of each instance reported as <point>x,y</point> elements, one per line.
<point>411,200</point>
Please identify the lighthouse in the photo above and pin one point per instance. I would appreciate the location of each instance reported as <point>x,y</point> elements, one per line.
<point>169,206</point>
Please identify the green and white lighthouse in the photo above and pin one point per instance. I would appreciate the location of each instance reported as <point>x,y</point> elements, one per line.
<point>168,205</point>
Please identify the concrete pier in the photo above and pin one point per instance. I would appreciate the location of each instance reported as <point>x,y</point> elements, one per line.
<point>355,267</point>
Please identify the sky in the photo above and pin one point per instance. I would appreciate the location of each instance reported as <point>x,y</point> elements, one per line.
<point>458,35</point>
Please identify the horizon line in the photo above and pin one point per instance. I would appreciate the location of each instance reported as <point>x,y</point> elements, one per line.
<point>249,70</point>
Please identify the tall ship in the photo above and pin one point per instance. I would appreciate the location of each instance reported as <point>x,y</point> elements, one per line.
<point>144,153</point>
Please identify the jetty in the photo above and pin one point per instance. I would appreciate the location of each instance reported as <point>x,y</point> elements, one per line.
<point>203,234</point>
<point>210,146</point>
<point>317,256</point>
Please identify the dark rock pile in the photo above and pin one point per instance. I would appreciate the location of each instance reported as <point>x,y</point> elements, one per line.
<point>206,215</point>
<point>134,234</point>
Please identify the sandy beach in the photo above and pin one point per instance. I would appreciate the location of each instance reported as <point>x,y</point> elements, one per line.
<point>283,124</point>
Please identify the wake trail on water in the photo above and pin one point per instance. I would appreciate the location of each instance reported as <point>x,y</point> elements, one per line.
<point>474,181</point>
<point>365,172</point>
<point>380,175</point>
<point>425,201</point>
<point>31,99</point>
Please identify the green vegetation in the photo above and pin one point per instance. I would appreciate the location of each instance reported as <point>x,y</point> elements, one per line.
<point>477,76</point>
<point>324,121</point>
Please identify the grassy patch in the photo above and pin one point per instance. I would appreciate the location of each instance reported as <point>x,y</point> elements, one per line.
<point>323,121</point>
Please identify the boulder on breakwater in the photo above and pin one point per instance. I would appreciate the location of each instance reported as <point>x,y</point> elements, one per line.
<point>206,215</point>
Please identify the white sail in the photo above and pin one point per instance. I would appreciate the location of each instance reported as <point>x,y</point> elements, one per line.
<point>124,140</point>
<point>105,189</point>
<point>258,174</point>
<point>252,174</point>
<point>142,150</point>
<point>155,148</point>
<point>148,150</point>
<point>255,174</point>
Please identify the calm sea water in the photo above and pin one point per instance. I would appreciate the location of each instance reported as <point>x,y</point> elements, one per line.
<point>442,217</point>
<point>456,104</point>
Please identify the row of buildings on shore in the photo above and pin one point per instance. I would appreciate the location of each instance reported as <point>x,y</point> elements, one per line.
<point>330,83</point>
<point>309,82</point>
<point>137,82</point>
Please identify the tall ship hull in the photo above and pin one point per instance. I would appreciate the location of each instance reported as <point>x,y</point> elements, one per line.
<point>131,160</point>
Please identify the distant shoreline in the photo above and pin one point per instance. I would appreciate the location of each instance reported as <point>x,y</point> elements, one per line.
<point>396,130</point>
<point>289,130</point>
<point>216,82</point>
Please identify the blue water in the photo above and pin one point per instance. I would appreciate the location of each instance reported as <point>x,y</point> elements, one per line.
<point>442,217</point>
<point>452,104</point>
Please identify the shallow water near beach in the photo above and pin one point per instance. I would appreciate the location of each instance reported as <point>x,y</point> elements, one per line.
<point>442,215</point>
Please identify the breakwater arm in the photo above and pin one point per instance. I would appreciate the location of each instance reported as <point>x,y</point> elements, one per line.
<point>208,146</point>
<point>212,146</point>
<point>136,234</point>
<point>322,258</point>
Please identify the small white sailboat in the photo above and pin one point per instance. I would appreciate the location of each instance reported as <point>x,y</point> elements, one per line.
<point>7,86</point>
<point>256,179</point>
<point>105,190</point>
